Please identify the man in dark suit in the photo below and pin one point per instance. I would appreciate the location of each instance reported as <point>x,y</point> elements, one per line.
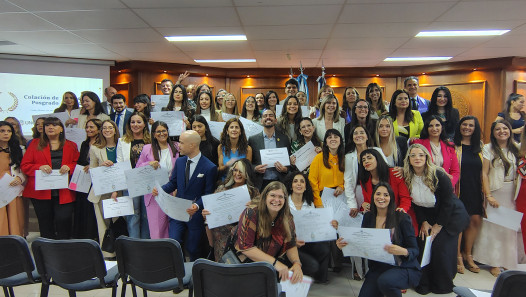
<point>269,138</point>
<point>122,114</point>
<point>193,176</point>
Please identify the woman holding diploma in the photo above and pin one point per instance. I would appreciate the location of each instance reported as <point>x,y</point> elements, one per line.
<point>238,175</point>
<point>85,224</point>
<point>13,215</point>
<point>496,246</point>
<point>70,104</point>
<point>142,103</point>
<point>205,107</point>
<point>266,233</point>
<point>384,279</point>
<point>161,153</point>
<point>209,144</point>
<point>433,204</point>
<point>326,170</point>
<point>54,208</point>
<point>103,153</point>
<point>129,149</point>
<point>305,133</point>
<point>234,145</point>
<point>290,117</point>
<point>179,102</point>
<point>314,255</point>
<point>93,109</point>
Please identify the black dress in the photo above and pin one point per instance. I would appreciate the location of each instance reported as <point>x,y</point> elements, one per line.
<point>471,181</point>
<point>84,222</point>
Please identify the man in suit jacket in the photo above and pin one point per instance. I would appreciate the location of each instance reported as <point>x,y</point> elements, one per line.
<point>106,104</point>
<point>122,114</point>
<point>269,138</point>
<point>416,102</point>
<point>200,181</point>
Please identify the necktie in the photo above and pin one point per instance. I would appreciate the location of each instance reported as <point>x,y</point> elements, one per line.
<point>118,119</point>
<point>414,104</point>
<point>187,171</point>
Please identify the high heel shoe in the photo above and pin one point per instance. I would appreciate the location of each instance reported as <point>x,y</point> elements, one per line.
<point>495,271</point>
<point>460,265</point>
<point>471,264</point>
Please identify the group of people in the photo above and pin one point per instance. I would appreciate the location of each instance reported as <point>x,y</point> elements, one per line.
<point>410,165</point>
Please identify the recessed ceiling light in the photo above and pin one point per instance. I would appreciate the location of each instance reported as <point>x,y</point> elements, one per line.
<point>227,61</point>
<point>423,73</point>
<point>248,75</point>
<point>378,75</point>
<point>207,74</point>
<point>119,71</point>
<point>164,71</point>
<point>207,38</point>
<point>395,59</point>
<point>461,33</point>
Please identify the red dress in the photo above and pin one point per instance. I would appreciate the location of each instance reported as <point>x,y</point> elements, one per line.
<point>520,205</point>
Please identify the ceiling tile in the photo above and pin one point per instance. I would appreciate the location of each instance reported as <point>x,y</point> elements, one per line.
<point>289,15</point>
<point>207,55</point>
<point>14,21</point>
<point>356,54</point>
<point>139,47</point>
<point>428,52</point>
<point>177,4</point>
<point>473,25</point>
<point>291,44</point>
<point>366,43</point>
<point>492,51</point>
<point>190,17</point>
<point>51,37</point>
<point>63,5</point>
<point>20,49</point>
<point>79,48</point>
<point>94,19</point>
<point>350,63</point>
<point>211,30</point>
<point>441,42</point>
<point>120,35</point>
<point>299,54</point>
<point>485,10</point>
<point>377,30</point>
<point>285,2</point>
<point>393,12</point>
<point>216,46</point>
<point>288,32</point>
<point>8,7</point>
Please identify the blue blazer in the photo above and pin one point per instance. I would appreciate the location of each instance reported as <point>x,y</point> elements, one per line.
<point>127,116</point>
<point>201,183</point>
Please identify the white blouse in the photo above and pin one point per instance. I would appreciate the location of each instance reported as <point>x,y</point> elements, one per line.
<point>422,195</point>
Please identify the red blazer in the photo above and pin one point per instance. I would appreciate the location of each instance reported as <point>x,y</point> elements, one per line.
<point>402,195</point>
<point>32,161</point>
<point>450,158</point>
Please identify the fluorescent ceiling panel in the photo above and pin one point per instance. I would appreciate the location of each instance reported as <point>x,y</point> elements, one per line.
<point>206,38</point>
<point>394,59</point>
<point>227,61</point>
<point>461,33</point>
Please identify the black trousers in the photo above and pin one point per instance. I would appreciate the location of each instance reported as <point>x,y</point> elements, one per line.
<point>314,257</point>
<point>438,275</point>
<point>388,281</point>
<point>54,219</point>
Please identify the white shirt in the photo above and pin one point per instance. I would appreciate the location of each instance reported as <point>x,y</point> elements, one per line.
<point>165,159</point>
<point>421,194</point>
<point>193,164</point>
<point>303,206</point>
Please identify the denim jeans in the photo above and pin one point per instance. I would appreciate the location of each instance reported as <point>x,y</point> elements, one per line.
<point>138,222</point>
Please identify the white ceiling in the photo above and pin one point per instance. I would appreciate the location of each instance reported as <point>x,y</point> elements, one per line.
<point>280,33</point>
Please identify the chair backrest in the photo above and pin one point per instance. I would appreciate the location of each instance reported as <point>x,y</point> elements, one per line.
<point>510,283</point>
<point>68,261</point>
<point>16,257</point>
<point>150,260</point>
<point>250,279</point>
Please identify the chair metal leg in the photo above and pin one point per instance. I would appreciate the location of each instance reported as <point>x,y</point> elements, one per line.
<point>190,291</point>
<point>11,291</point>
<point>124,284</point>
<point>144,293</point>
<point>134,290</point>
<point>114,291</point>
<point>72,293</point>
<point>6,292</point>
<point>44,290</point>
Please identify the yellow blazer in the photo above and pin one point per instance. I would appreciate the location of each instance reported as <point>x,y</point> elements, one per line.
<point>415,126</point>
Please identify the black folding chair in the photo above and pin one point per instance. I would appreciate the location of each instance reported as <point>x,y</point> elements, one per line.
<point>16,266</point>
<point>510,283</point>
<point>153,265</point>
<point>75,265</point>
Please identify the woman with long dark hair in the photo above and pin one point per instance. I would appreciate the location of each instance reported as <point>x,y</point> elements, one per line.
<point>92,109</point>
<point>266,233</point>
<point>433,138</point>
<point>384,279</point>
<point>13,215</point>
<point>205,107</point>
<point>220,95</point>
<point>313,255</point>
<point>469,187</point>
<point>290,116</point>
<point>179,102</point>
<point>54,208</point>
<point>305,132</point>
<point>442,106</point>
<point>326,170</point>
<point>250,111</point>
<point>161,153</point>
<point>142,103</point>
<point>18,130</point>
<point>350,95</point>
<point>233,144</point>
<point>406,122</point>
<point>209,144</point>
<point>514,114</point>
<point>271,100</point>
<point>360,116</point>
<point>373,95</point>
<point>70,104</point>
<point>260,102</point>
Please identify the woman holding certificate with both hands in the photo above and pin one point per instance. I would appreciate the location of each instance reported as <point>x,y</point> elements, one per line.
<point>54,208</point>
<point>384,279</point>
<point>266,233</point>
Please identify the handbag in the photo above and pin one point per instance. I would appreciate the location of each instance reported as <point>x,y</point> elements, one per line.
<point>114,230</point>
<point>230,254</point>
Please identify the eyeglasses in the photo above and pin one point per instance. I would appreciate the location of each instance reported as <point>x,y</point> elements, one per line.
<point>161,132</point>
<point>362,107</point>
<point>108,128</point>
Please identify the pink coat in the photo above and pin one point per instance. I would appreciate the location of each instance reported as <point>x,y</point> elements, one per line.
<point>450,165</point>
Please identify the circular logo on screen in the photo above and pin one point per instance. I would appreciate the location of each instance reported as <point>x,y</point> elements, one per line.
<point>8,101</point>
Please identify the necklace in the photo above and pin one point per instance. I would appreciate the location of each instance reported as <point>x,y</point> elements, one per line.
<point>111,149</point>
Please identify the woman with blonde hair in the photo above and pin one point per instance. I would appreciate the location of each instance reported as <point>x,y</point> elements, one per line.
<point>394,148</point>
<point>266,233</point>
<point>229,105</point>
<point>70,104</point>
<point>329,117</point>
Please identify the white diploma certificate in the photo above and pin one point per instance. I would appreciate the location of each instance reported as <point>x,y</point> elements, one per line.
<point>271,156</point>
<point>173,207</point>
<point>225,207</point>
<point>174,120</point>
<point>123,207</point>
<point>299,289</point>
<point>109,179</point>
<point>227,116</point>
<point>160,101</point>
<point>251,128</point>
<point>216,128</point>
<point>367,243</point>
<point>478,293</point>
<point>305,155</point>
<point>314,225</point>
<point>426,255</point>
<point>141,180</point>
<point>52,181</point>
<point>505,217</point>
<point>340,209</point>
<point>304,110</point>
<point>8,193</point>
<point>62,116</point>
<point>80,180</point>
<point>77,135</point>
